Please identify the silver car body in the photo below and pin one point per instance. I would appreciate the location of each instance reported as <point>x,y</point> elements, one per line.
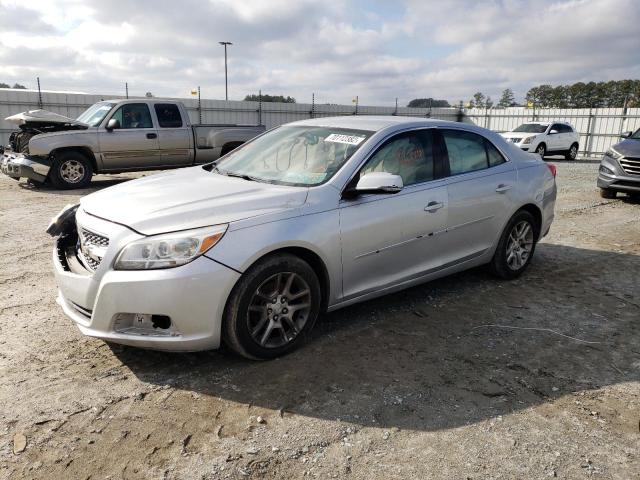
<point>361,247</point>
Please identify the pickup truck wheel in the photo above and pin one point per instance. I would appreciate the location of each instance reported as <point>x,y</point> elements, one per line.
<point>572,153</point>
<point>272,308</point>
<point>609,194</point>
<point>516,246</point>
<point>541,150</point>
<point>70,170</point>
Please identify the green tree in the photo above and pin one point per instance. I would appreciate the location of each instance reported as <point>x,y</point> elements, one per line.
<point>4,85</point>
<point>488,102</point>
<point>427,102</point>
<point>269,98</point>
<point>19,87</point>
<point>478,100</point>
<point>507,99</point>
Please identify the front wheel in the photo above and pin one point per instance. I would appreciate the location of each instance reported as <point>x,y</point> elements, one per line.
<point>273,308</point>
<point>516,246</point>
<point>70,170</point>
<point>541,150</point>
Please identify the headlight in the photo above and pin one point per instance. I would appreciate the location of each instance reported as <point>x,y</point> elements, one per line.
<point>528,140</point>
<point>604,169</point>
<point>613,154</point>
<point>168,250</point>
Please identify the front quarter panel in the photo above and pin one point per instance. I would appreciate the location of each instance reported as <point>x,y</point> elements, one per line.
<point>311,228</point>
<point>44,144</point>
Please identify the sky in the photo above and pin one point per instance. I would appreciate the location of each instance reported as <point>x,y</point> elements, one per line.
<point>377,50</point>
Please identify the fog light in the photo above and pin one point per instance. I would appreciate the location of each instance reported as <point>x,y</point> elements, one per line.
<point>606,170</point>
<point>144,324</point>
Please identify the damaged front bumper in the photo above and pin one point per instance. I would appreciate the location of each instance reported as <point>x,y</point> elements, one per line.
<point>18,165</point>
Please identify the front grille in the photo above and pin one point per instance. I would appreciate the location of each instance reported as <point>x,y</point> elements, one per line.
<point>630,165</point>
<point>91,247</point>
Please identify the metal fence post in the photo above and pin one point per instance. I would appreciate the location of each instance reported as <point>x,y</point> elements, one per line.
<point>313,106</point>
<point>590,125</point>
<point>126,90</point>
<point>199,108</point>
<point>259,107</point>
<point>39,94</point>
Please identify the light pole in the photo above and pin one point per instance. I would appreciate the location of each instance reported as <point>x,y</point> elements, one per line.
<point>226,88</point>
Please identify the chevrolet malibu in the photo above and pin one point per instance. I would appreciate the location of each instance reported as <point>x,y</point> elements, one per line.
<point>307,218</point>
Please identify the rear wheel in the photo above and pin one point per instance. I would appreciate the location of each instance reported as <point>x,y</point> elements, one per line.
<point>70,170</point>
<point>516,246</point>
<point>541,150</point>
<point>273,308</point>
<point>572,153</point>
<point>607,193</point>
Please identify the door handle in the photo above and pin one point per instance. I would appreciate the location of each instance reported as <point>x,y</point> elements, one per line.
<point>433,206</point>
<point>503,187</point>
<point>152,135</point>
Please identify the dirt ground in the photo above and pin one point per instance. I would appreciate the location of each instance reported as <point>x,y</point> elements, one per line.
<point>412,385</point>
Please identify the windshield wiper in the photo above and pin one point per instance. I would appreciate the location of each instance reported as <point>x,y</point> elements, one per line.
<point>244,176</point>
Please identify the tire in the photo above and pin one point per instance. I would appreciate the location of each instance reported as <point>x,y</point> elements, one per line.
<point>541,150</point>
<point>259,320</point>
<point>609,194</point>
<point>572,153</point>
<point>70,170</point>
<point>509,264</point>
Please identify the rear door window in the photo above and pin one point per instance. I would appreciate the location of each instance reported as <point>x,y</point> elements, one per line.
<point>168,115</point>
<point>469,152</point>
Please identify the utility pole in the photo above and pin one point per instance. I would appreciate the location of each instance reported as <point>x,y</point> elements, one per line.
<point>39,94</point>
<point>126,89</point>
<point>226,85</point>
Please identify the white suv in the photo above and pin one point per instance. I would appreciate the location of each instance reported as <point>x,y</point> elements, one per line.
<point>546,138</point>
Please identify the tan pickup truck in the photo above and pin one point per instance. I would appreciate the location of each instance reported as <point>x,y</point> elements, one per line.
<point>113,136</point>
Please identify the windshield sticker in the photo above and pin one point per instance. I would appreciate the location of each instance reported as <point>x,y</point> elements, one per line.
<point>341,138</point>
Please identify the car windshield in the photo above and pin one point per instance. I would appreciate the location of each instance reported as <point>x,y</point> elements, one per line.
<point>93,115</point>
<point>300,156</point>
<point>531,128</point>
<point>635,135</point>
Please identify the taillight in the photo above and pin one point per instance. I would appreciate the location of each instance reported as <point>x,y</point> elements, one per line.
<point>553,169</point>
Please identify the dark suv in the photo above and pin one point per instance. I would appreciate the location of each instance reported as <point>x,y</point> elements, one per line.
<point>620,167</point>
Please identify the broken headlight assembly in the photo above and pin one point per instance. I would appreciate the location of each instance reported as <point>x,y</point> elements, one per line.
<point>169,250</point>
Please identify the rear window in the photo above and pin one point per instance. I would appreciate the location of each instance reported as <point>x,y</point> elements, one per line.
<point>168,115</point>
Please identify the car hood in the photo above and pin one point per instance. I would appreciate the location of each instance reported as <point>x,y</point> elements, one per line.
<point>189,198</point>
<point>628,148</point>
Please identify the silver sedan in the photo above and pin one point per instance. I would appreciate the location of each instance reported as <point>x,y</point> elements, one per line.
<point>307,218</point>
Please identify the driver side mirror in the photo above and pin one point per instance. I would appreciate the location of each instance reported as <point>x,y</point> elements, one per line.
<point>553,132</point>
<point>377,182</point>
<point>113,124</point>
<point>625,134</point>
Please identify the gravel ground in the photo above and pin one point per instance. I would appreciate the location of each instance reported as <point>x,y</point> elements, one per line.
<point>411,385</point>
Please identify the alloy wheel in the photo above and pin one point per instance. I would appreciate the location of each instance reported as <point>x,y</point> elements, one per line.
<point>541,150</point>
<point>72,171</point>
<point>573,152</point>
<point>519,245</point>
<point>279,309</point>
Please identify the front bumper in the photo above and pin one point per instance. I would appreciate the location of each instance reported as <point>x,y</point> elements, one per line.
<point>619,180</point>
<point>193,296</point>
<point>17,165</point>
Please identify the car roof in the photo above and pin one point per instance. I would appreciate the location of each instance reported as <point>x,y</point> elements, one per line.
<point>373,123</point>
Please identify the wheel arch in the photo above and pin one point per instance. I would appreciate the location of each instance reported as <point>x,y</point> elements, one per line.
<point>534,210</point>
<point>313,260</point>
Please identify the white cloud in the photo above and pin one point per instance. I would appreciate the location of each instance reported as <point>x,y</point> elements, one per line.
<point>335,49</point>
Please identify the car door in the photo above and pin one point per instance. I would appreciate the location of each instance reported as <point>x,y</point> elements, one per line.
<point>480,189</point>
<point>554,142</point>
<point>390,238</point>
<point>174,135</point>
<point>134,144</point>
